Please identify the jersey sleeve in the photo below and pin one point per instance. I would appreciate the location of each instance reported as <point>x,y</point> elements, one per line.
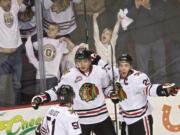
<point>65,49</point>
<point>30,54</point>
<point>96,33</point>
<point>146,86</point>
<point>44,126</point>
<point>106,85</point>
<point>115,33</point>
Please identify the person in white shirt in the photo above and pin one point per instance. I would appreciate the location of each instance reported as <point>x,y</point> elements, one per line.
<point>27,20</point>
<point>10,57</point>
<point>60,12</point>
<point>61,119</point>
<point>54,50</point>
<point>91,84</point>
<point>106,43</point>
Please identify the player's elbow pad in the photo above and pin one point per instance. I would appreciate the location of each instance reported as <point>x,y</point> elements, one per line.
<point>161,91</point>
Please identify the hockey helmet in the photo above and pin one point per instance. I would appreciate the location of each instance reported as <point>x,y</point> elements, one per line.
<point>65,94</point>
<point>82,53</point>
<point>125,58</point>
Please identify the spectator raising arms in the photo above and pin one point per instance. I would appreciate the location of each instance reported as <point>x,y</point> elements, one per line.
<point>54,49</point>
<point>108,38</point>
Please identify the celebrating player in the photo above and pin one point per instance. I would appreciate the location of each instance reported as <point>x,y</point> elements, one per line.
<point>91,84</point>
<point>133,88</point>
<point>61,119</point>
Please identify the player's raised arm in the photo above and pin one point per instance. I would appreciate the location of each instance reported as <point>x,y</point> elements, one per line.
<point>49,95</point>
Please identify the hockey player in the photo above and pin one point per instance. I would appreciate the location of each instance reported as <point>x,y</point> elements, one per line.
<point>135,87</point>
<point>91,84</point>
<point>61,119</point>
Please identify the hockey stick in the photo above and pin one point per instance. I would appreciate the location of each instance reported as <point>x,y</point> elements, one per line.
<point>113,83</point>
<point>86,25</point>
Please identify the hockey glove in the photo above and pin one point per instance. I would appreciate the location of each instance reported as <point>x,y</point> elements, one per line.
<point>121,93</point>
<point>39,99</point>
<point>114,96</point>
<point>95,58</point>
<point>167,90</point>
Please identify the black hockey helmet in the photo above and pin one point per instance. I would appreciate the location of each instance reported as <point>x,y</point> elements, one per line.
<point>82,53</point>
<point>125,57</point>
<point>65,94</point>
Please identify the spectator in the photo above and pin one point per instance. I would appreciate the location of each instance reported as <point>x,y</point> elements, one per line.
<point>54,49</point>
<point>147,35</point>
<point>60,12</point>
<point>68,61</point>
<point>108,38</point>
<point>10,60</point>
<point>27,20</point>
<point>171,27</point>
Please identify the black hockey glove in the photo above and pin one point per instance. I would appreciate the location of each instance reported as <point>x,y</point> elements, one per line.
<point>114,97</point>
<point>167,90</point>
<point>39,99</point>
<point>95,58</point>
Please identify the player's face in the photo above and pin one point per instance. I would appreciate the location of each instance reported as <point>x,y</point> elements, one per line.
<point>5,4</point>
<point>106,36</point>
<point>83,65</point>
<point>52,31</point>
<point>124,68</point>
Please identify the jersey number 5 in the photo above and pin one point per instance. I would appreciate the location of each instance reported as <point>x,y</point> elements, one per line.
<point>52,123</point>
<point>75,125</point>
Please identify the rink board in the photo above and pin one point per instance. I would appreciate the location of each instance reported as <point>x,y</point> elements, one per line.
<point>23,120</point>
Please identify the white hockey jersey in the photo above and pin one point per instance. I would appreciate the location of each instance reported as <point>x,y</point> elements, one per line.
<point>65,19</point>
<point>60,120</point>
<point>53,53</point>
<point>90,91</point>
<point>9,31</point>
<point>137,87</point>
<point>28,28</point>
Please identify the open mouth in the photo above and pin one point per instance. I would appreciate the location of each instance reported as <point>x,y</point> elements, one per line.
<point>103,38</point>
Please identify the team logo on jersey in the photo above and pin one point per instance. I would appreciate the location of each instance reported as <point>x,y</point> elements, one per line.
<point>49,52</point>
<point>121,93</point>
<point>78,78</point>
<point>8,19</point>
<point>88,92</point>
